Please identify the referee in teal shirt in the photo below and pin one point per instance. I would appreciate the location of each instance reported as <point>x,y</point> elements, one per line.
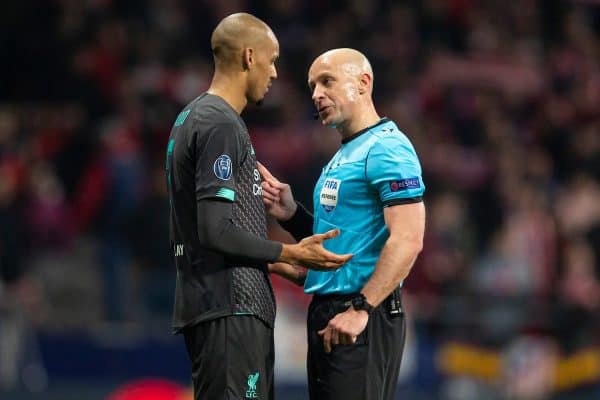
<point>371,190</point>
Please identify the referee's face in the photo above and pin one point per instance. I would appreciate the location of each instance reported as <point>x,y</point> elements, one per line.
<point>263,71</point>
<point>334,88</point>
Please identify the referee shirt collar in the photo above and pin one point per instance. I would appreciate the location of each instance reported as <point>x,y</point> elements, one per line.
<point>365,130</point>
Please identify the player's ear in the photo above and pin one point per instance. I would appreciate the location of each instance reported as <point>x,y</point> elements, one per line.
<point>364,83</point>
<point>247,58</point>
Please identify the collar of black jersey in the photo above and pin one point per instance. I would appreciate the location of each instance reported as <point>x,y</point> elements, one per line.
<point>357,134</point>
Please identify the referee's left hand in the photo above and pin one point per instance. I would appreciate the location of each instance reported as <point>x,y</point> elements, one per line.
<point>344,328</point>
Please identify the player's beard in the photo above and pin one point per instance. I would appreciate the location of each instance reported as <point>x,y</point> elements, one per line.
<point>260,100</point>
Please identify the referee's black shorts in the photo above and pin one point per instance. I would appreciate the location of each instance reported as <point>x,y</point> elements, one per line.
<point>232,358</point>
<point>366,370</point>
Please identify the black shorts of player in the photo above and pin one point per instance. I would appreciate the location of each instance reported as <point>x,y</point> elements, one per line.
<point>232,358</point>
<point>365,370</point>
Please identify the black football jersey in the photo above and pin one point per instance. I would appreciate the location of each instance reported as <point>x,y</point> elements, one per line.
<point>210,156</point>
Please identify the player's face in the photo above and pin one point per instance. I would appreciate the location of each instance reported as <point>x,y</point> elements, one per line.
<point>334,88</point>
<point>263,72</point>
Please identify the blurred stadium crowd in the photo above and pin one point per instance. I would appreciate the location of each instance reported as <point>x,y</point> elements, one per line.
<point>502,102</point>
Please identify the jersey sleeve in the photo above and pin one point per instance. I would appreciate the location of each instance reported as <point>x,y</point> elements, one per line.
<point>394,171</point>
<point>218,160</point>
<point>216,231</point>
<point>301,223</point>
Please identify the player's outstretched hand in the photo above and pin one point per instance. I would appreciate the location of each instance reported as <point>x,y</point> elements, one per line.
<point>310,253</point>
<point>277,196</point>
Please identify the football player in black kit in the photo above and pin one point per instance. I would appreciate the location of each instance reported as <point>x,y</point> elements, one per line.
<point>224,303</point>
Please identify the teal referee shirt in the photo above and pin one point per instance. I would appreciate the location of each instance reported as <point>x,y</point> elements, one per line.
<point>373,169</point>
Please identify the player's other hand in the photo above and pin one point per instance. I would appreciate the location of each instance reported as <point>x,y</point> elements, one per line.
<point>310,253</point>
<point>292,273</point>
<point>277,196</point>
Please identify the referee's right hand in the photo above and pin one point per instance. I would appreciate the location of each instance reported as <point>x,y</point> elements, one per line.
<point>310,253</point>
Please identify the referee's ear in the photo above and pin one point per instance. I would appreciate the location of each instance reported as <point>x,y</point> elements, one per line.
<point>364,83</point>
<point>247,58</point>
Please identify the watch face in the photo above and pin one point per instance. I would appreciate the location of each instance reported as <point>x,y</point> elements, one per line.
<point>358,303</point>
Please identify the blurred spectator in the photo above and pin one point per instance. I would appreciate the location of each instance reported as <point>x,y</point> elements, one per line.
<point>47,216</point>
<point>125,181</point>
<point>579,298</point>
<point>154,286</point>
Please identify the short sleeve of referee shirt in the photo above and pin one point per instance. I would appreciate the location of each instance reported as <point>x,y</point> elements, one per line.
<point>218,158</point>
<point>394,171</point>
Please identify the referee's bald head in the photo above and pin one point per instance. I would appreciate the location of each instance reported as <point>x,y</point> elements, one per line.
<point>341,82</point>
<point>350,61</point>
<point>235,33</point>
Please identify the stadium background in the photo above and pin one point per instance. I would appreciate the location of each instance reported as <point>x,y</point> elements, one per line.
<point>502,102</point>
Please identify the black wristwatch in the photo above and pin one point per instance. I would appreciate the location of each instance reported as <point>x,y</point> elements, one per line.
<point>359,302</point>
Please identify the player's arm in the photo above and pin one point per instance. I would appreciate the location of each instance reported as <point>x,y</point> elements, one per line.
<point>220,154</point>
<point>300,224</point>
<point>217,232</point>
<point>279,202</point>
<point>292,273</point>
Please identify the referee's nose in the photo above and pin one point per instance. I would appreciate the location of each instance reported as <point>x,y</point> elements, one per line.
<point>273,73</point>
<point>317,93</point>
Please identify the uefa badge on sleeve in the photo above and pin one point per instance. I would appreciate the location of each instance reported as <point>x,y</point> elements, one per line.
<point>222,167</point>
<point>405,184</point>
